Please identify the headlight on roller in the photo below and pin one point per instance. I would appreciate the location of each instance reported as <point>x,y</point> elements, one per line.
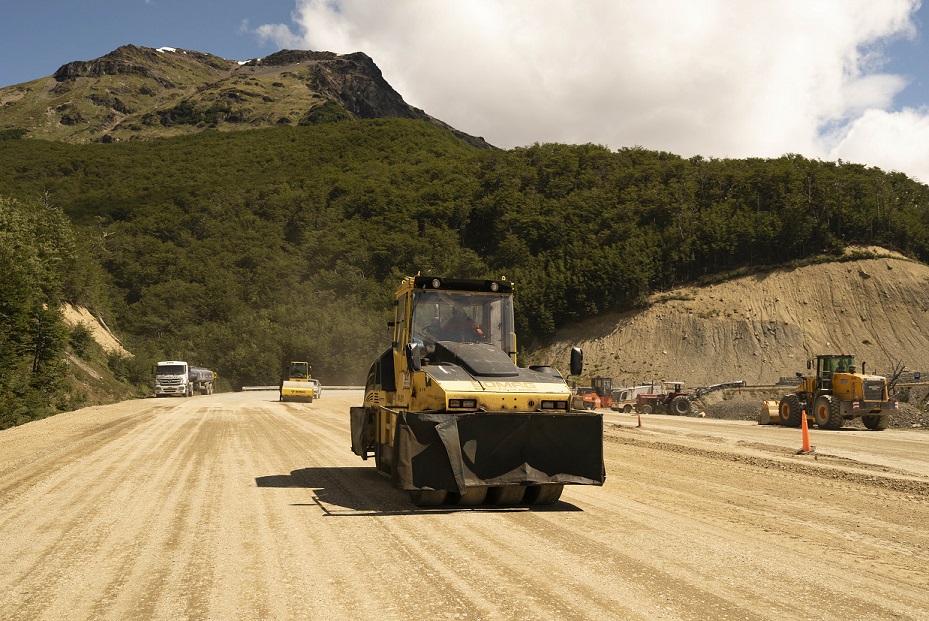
<point>553,405</point>
<point>462,404</point>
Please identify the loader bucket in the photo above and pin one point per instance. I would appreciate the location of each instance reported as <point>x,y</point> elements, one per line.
<point>454,452</point>
<point>770,413</point>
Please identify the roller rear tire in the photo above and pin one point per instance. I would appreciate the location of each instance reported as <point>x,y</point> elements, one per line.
<point>428,497</point>
<point>543,494</point>
<point>506,495</point>
<point>472,496</point>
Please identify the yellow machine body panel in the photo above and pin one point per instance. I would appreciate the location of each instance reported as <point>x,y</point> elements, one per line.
<point>446,408</point>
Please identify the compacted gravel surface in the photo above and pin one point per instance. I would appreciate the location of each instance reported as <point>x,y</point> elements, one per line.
<point>237,506</point>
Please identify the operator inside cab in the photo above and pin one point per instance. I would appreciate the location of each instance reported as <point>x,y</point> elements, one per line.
<point>458,317</point>
<point>460,327</point>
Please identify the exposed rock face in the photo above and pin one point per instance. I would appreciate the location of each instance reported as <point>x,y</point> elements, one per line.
<point>97,68</point>
<point>356,83</point>
<point>351,80</point>
<point>292,57</point>
<point>121,93</point>
<point>133,60</point>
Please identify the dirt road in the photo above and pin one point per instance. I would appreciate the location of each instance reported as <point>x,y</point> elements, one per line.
<point>236,506</point>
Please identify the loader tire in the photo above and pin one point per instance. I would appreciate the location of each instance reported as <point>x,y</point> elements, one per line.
<point>827,413</point>
<point>680,406</point>
<point>875,422</point>
<point>790,410</point>
<point>543,494</point>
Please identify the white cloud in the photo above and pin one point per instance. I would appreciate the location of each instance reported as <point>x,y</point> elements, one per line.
<point>890,140</point>
<point>718,78</point>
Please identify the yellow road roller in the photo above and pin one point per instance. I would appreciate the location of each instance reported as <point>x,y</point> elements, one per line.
<point>297,385</point>
<point>449,416</point>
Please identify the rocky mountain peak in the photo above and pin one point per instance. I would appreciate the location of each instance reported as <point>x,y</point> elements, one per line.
<point>138,92</point>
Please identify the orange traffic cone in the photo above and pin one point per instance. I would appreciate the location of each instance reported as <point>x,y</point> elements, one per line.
<point>805,429</point>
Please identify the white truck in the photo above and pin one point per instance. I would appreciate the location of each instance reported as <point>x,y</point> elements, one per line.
<point>625,399</point>
<point>176,377</point>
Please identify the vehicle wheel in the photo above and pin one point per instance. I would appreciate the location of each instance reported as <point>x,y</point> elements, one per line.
<point>427,497</point>
<point>875,422</point>
<point>827,413</point>
<point>382,458</point>
<point>472,496</point>
<point>627,409</point>
<point>790,410</point>
<point>543,494</point>
<point>680,406</point>
<point>311,400</point>
<point>646,409</point>
<point>506,495</point>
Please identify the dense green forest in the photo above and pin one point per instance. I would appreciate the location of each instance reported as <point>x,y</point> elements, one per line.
<point>240,250</point>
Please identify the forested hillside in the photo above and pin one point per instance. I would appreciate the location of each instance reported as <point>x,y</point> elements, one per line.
<point>240,250</point>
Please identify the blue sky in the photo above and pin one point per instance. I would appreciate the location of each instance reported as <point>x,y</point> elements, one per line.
<point>828,79</point>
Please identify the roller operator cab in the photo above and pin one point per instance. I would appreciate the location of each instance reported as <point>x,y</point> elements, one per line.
<point>449,416</point>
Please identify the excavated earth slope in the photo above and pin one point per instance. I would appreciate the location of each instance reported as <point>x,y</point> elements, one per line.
<point>763,327</point>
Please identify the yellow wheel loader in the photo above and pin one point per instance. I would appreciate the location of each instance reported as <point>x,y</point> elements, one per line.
<point>449,416</point>
<point>837,393</point>
<point>297,385</point>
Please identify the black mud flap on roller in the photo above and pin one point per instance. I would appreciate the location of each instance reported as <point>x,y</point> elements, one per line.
<point>362,427</point>
<point>456,451</point>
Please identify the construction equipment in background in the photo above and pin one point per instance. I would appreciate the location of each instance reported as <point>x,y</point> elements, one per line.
<point>655,396</point>
<point>703,390</point>
<point>673,399</point>
<point>834,394</point>
<point>449,416</point>
<point>603,387</point>
<point>770,413</point>
<point>625,399</point>
<point>296,386</point>
<point>585,398</point>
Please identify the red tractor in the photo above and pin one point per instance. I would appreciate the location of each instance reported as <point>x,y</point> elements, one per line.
<point>673,400</point>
